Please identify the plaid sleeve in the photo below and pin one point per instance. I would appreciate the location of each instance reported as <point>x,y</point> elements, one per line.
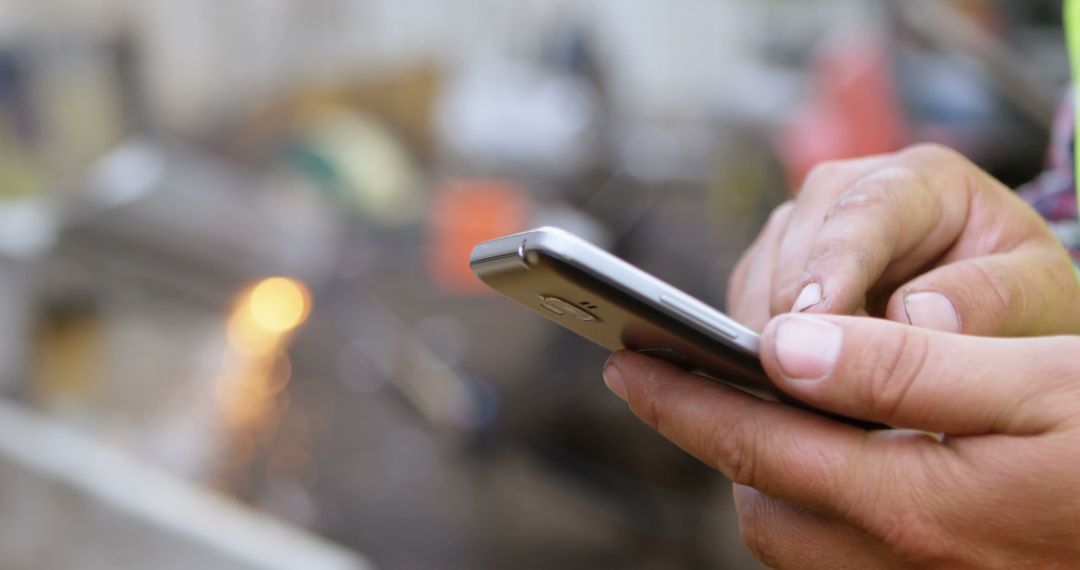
<point>1053,193</point>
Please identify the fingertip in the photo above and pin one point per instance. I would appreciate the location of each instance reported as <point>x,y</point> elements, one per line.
<point>811,296</point>
<point>613,358</point>
<point>627,368</point>
<point>931,310</point>
<point>614,381</point>
<point>822,293</point>
<point>806,348</point>
<point>617,368</point>
<point>805,355</point>
<point>926,309</point>
<point>627,360</point>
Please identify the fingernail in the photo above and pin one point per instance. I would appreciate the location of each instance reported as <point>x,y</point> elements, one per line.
<point>807,348</point>
<point>614,381</point>
<point>932,311</point>
<point>810,296</point>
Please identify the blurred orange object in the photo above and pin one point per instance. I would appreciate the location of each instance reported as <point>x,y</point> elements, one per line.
<point>464,213</point>
<point>858,112</point>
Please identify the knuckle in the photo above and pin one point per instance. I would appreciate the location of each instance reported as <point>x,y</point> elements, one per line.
<point>913,538</point>
<point>754,525</point>
<point>893,372</point>
<point>1001,300</point>
<point>857,248</point>
<point>873,193</point>
<point>915,527</point>
<point>929,153</point>
<point>780,214</point>
<point>823,174</point>
<point>862,225</point>
<point>863,195</point>
<point>733,452</point>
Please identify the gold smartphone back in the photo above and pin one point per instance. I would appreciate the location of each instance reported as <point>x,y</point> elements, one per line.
<point>617,306</point>
<point>611,315</point>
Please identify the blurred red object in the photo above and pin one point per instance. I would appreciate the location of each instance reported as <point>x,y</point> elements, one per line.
<point>464,213</point>
<point>858,112</point>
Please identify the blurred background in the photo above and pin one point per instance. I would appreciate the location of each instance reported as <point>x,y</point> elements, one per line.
<point>237,326</point>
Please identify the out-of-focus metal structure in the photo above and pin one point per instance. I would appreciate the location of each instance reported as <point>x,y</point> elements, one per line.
<point>70,501</point>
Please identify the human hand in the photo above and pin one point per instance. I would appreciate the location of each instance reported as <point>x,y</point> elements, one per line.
<point>922,236</point>
<point>1001,491</point>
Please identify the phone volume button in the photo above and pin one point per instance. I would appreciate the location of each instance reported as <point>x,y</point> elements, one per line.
<point>693,316</point>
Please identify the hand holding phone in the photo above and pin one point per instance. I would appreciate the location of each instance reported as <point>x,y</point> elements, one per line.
<point>618,306</point>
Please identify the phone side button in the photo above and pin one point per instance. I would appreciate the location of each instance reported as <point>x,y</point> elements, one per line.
<point>689,314</point>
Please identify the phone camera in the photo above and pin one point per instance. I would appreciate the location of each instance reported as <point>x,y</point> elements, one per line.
<point>563,308</point>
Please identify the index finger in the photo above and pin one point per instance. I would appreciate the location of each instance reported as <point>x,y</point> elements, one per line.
<point>779,450</point>
<point>820,190</point>
<point>894,223</point>
<point>903,215</point>
<point>890,220</point>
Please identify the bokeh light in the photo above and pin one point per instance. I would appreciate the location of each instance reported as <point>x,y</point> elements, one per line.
<point>278,304</point>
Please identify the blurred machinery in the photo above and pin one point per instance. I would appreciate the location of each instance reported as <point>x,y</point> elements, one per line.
<point>233,243</point>
<point>71,502</point>
<point>138,285</point>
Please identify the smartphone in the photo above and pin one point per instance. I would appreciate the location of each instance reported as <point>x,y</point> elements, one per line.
<point>618,306</point>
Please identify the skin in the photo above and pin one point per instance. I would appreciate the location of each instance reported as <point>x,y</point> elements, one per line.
<point>872,231</point>
<point>919,237</point>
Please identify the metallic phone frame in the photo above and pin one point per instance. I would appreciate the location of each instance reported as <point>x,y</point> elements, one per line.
<point>627,308</point>
<point>552,263</point>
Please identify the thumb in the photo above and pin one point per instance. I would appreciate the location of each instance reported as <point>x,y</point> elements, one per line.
<point>1029,291</point>
<point>914,378</point>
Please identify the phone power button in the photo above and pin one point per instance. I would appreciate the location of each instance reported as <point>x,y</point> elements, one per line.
<point>698,317</point>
